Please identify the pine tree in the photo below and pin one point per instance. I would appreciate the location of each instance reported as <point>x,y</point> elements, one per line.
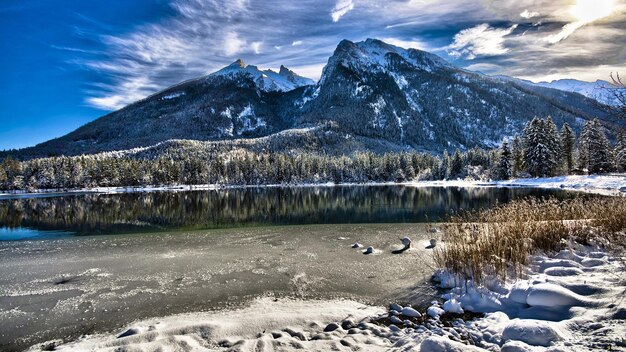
<point>541,147</point>
<point>620,152</point>
<point>568,139</point>
<point>503,168</point>
<point>518,156</point>
<point>595,150</point>
<point>456,165</point>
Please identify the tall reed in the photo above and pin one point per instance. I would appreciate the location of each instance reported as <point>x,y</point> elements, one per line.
<point>499,241</point>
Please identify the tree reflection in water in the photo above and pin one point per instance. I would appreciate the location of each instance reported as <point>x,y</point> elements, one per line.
<point>89,214</point>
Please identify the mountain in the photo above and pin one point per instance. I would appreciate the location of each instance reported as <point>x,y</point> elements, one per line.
<point>268,80</point>
<point>378,96</point>
<point>599,90</point>
<point>415,98</point>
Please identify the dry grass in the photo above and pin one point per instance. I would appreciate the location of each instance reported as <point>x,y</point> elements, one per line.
<point>498,241</point>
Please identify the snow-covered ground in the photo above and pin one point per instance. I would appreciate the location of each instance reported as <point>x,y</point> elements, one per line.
<point>597,184</point>
<point>571,301</point>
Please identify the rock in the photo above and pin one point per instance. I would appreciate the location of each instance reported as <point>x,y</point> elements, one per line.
<point>394,328</point>
<point>406,242</point>
<point>277,335</point>
<point>394,319</point>
<point>531,332</point>
<point>347,324</point>
<point>435,312</point>
<point>129,332</point>
<point>433,242</point>
<point>410,312</point>
<point>452,306</point>
<point>440,343</point>
<point>369,250</point>
<point>357,245</point>
<point>394,312</point>
<point>395,306</point>
<point>297,334</point>
<point>331,327</point>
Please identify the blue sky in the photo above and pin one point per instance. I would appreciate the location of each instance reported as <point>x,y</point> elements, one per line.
<point>67,62</point>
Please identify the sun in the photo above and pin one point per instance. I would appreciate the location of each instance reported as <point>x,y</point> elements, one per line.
<point>591,10</point>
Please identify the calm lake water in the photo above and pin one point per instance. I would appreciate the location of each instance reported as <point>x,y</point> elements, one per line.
<point>102,214</point>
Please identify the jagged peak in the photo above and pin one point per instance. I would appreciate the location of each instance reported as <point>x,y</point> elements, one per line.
<point>238,63</point>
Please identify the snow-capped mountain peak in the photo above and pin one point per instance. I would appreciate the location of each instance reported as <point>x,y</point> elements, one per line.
<point>373,55</point>
<point>266,80</point>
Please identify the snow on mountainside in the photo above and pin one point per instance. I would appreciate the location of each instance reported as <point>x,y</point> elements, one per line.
<point>268,80</point>
<point>393,98</point>
<point>598,90</point>
<point>417,99</point>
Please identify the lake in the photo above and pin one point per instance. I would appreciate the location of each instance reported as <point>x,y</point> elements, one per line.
<point>45,217</point>
<point>82,264</point>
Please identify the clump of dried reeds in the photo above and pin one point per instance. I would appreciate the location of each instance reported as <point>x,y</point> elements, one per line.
<point>498,241</point>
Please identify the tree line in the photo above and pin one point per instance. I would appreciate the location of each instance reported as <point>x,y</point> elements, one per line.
<point>541,151</point>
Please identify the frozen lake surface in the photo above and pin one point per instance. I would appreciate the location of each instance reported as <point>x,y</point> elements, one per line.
<point>68,287</point>
<point>84,264</point>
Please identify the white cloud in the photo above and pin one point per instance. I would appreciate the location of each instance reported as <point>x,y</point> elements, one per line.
<point>585,12</point>
<point>233,44</point>
<point>256,47</point>
<point>481,40</point>
<point>341,8</point>
<point>407,44</point>
<point>296,43</point>
<point>528,14</point>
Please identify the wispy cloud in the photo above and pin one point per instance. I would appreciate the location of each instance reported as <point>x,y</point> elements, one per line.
<point>201,36</point>
<point>528,14</point>
<point>341,8</point>
<point>584,12</point>
<point>481,40</point>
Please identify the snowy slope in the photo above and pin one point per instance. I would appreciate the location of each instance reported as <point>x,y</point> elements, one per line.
<point>268,80</point>
<point>598,90</point>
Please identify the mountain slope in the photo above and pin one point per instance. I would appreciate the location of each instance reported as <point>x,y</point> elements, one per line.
<point>393,97</point>
<point>599,90</point>
<point>415,98</point>
<point>237,101</point>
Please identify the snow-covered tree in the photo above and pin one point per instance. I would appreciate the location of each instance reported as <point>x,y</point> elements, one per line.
<point>456,165</point>
<point>541,147</point>
<point>517,152</point>
<point>620,152</point>
<point>503,168</point>
<point>568,140</point>
<point>595,151</point>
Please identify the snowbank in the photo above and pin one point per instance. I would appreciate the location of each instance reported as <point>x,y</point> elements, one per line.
<point>563,304</point>
<point>597,184</point>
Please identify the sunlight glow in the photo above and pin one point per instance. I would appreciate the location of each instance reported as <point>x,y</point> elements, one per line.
<point>590,10</point>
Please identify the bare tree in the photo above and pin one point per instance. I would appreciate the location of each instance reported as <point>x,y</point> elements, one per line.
<point>618,90</point>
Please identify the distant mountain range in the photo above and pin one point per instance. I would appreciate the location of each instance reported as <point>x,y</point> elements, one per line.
<point>375,96</point>
<point>600,90</point>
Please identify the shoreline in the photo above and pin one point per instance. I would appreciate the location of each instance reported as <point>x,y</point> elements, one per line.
<point>610,185</point>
